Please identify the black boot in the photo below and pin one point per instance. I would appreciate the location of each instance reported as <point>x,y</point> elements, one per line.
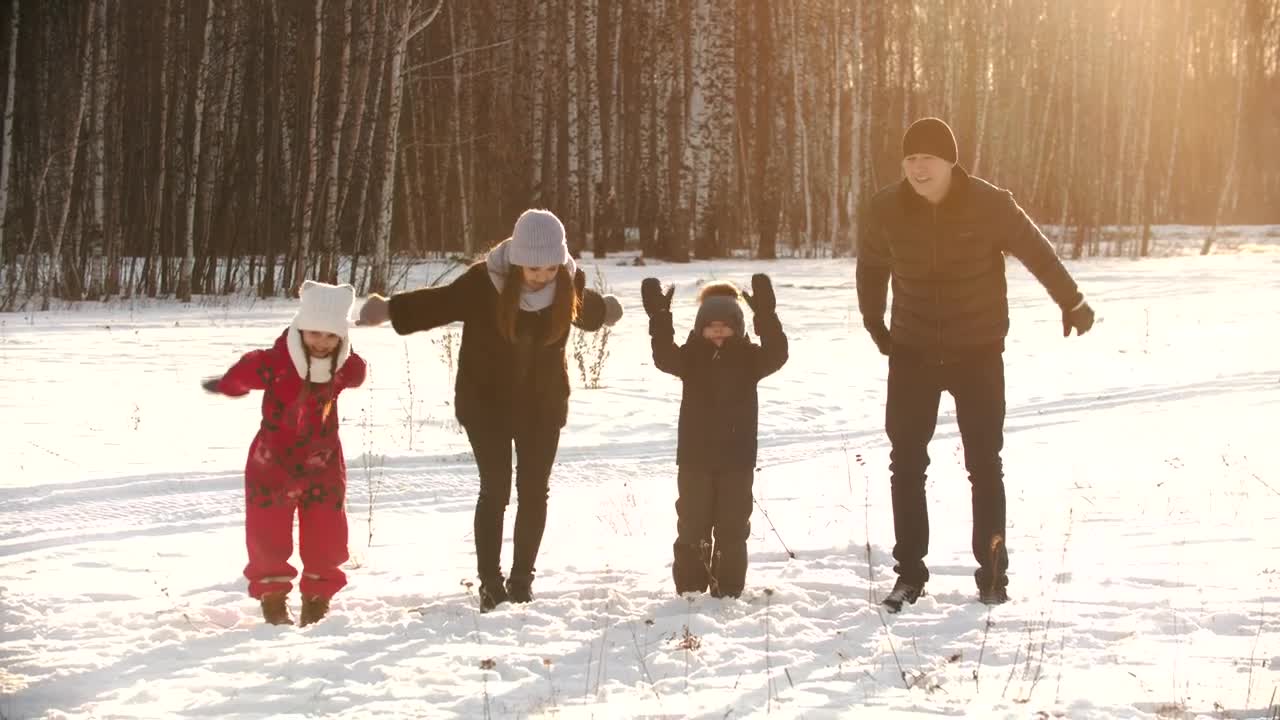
<point>993,595</point>
<point>492,593</point>
<point>903,592</point>
<point>689,566</point>
<point>520,588</point>
<point>991,586</point>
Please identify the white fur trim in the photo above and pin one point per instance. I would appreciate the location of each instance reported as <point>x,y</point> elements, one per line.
<point>319,366</point>
<point>1078,305</point>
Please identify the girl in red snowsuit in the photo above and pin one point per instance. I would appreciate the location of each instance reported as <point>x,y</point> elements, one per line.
<point>295,463</point>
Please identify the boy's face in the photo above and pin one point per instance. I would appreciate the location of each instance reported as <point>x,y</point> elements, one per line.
<point>717,331</point>
<point>320,344</point>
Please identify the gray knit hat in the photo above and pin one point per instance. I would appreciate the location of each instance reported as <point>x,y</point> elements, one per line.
<point>723,308</point>
<point>538,240</point>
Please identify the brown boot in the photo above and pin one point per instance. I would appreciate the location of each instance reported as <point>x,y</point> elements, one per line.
<point>313,610</point>
<point>275,608</point>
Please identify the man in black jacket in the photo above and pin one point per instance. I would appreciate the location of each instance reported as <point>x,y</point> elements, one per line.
<point>941,236</point>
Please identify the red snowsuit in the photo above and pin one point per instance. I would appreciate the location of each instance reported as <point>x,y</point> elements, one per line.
<point>295,464</point>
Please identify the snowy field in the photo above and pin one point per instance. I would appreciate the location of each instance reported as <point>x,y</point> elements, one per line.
<point>1143,505</point>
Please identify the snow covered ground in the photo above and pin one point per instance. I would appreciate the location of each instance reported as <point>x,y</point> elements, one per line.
<point>1143,496</point>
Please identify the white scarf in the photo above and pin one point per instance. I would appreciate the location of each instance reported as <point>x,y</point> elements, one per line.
<point>319,366</point>
<point>499,264</point>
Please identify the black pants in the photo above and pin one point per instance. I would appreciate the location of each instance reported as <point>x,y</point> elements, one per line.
<point>712,504</point>
<point>535,449</point>
<point>911,414</point>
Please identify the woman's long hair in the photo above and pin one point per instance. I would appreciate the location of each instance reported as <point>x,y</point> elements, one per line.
<point>564,308</point>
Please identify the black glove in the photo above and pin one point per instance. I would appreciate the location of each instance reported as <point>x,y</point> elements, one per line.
<point>210,384</point>
<point>655,301</point>
<point>880,334</point>
<point>1081,319</point>
<point>761,299</point>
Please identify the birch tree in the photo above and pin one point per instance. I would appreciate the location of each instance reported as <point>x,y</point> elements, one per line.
<point>6,139</point>
<point>406,22</point>
<point>313,154</point>
<point>329,262</point>
<point>202,85</point>
<point>55,278</point>
<point>101,87</point>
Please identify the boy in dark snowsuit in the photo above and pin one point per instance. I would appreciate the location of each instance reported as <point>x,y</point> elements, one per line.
<point>716,449</point>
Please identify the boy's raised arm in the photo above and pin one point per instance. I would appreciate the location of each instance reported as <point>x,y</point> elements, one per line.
<point>657,305</point>
<point>774,348</point>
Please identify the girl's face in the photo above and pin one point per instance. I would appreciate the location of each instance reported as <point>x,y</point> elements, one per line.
<point>320,344</point>
<point>536,278</point>
<point>717,331</point>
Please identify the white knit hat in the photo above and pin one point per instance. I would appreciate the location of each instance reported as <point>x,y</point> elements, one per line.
<point>538,240</point>
<point>325,307</point>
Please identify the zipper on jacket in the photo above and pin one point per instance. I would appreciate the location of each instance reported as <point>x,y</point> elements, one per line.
<point>937,292</point>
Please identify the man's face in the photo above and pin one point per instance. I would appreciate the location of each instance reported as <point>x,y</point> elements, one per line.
<point>929,175</point>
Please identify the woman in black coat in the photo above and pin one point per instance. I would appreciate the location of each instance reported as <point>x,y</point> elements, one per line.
<point>516,307</point>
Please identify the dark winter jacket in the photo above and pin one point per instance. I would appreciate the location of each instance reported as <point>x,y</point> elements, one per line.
<point>496,376</point>
<point>718,405</point>
<point>950,296</point>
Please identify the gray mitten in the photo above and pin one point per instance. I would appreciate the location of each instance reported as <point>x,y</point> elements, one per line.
<point>612,310</point>
<point>375,311</point>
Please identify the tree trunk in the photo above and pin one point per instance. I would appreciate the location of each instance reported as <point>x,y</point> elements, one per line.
<point>329,266</point>
<point>101,86</point>
<point>800,168</point>
<point>56,277</point>
<point>6,141</point>
<point>837,60</point>
<point>1229,180</point>
<point>193,174</point>
<point>1070,184</point>
<point>271,121</point>
<point>162,166</point>
<point>303,244</point>
<point>859,109</point>
<point>765,184</point>
<point>455,130</point>
<point>1162,206</point>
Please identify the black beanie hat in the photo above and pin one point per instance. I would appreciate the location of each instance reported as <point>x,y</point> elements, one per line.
<point>720,307</point>
<point>930,136</point>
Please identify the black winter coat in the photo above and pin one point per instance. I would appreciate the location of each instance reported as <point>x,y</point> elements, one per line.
<point>950,296</point>
<point>496,376</point>
<point>719,408</point>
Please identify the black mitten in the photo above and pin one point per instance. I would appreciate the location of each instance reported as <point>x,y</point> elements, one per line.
<point>1080,318</point>
<point>655,301</point>
<point>761,299</point>
<point>210,384</point>
<point>881,336</point>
